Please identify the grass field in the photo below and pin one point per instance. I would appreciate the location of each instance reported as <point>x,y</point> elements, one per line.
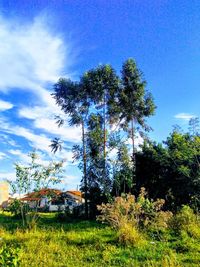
<point>87,243</point>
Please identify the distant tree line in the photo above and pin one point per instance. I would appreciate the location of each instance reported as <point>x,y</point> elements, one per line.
<point>172,170</point>
<point>111,110</point>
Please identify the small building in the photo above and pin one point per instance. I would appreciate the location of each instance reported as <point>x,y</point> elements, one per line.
<point>53,199</point>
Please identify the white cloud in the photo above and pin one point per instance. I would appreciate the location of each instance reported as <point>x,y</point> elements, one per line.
<point>4,105</point>
<point>41,142</point>
<point>71,181</point>
<point>184,116</point>
<point>137,142</point>
<point>2,155</point>
<point>31,58</point>
<point>5,139</point>
<point>14,152</point>
<point>29,54</point>
<point>23,157</point>
<point>43,117</point>
<point>72,134</point>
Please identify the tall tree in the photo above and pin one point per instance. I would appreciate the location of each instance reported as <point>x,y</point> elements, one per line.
<point>135,102</point>
<point>72,100</point>
<point>102,85</point>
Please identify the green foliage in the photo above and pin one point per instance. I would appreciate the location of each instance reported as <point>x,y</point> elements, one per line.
<point>164,169</point>
<point>32,177</point>
<point>186,222</point>
<point>32,219</point>
<point>9,256</point>
<point>17,207</point>
<point>129,235</point>
<point>122,177</point>
<point>100,101</point>
<point>35,175</point>
<point>135,101</point>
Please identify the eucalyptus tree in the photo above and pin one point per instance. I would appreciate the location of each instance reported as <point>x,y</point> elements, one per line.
<point>95,148</point>
<point>122,172</point>
<point>102,85</point>
<point>72,100</point>
<point>135,102</point>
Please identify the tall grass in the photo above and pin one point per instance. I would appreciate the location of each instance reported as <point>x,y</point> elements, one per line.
<point>86,243</point>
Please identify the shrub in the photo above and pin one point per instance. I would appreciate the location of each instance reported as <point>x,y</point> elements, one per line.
<point>128,215</point>
<point>18,208</point>
<point>128,234</point>
<point>186,221</point>
<point>22,211</point>
<point>141,212</point>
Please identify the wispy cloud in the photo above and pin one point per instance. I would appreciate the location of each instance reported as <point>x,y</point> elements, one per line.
<point>71,181</point>
<point>30,55</point>
<point>5,105</point>
<point>23,157</point>
<point>3,155</point>
<point>5,139</point>
<point>41,141</point>
<point>184,116</point>
<point>43,118</point>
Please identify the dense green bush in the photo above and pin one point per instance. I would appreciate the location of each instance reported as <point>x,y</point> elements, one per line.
<point>186,221</point>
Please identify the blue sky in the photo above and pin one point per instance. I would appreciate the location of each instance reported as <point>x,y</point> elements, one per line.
<point>41,41</point>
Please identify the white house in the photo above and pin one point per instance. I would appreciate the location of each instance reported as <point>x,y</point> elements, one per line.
<point>54,200</point>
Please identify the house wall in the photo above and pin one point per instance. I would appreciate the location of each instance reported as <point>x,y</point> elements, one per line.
<point>77,199</point>
<point>56,207</point>
<point>4,191</point>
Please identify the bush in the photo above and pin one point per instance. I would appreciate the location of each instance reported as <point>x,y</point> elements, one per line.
<point>128,234</point>
<point>186,221</point>
<point>22,211</point>
<point>128,215</point>
<point>141,212</point>
<point>64,216</point>
<point>18,208</point>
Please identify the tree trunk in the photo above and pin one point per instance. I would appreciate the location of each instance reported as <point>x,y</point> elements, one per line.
<point>133,148</point>
<point>104,138</point>
<point>85,171</point>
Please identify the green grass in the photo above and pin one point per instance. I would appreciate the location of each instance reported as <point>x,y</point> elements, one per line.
<point>88,243</point>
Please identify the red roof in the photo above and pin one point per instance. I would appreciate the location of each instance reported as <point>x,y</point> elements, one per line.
<point>76,193</point>
<point>34,196</point>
